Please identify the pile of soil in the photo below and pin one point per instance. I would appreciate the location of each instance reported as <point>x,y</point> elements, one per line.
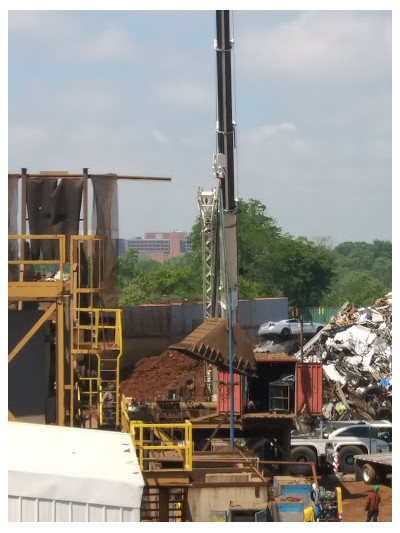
<point>154,377</point>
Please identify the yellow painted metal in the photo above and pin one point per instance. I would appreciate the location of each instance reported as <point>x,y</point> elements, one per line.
<point>31,332</point>
<point>95,327</point>
<point>339,501</point>
<point>137,433</point>
<point>24,289</point>
<point>308,514</point>
<point>93,386</point>
<point>60,380</point>
<point>103,339</point>
<point>124,422</point>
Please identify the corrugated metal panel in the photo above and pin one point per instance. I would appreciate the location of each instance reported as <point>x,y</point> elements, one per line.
<point>23,509</point>
<point>309,388</point>
<point>180,319</point>
<point>318,314</point>
<point>224,395</point>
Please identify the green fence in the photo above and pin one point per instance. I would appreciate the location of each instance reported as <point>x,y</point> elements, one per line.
<point>318,314</point>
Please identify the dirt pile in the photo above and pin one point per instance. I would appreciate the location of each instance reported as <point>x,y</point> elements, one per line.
<point>153,378</point>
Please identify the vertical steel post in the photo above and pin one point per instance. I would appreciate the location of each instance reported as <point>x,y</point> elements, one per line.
<point>60,361</point>
<point>85,201</point>
<point>225,138</point>
<point>232,428</point>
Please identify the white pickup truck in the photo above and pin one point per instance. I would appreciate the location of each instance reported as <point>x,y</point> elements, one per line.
<point>355,438</point>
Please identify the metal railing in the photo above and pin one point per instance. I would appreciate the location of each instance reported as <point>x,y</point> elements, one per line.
<point>102,333</point>
<point>143,445</point>
<point>18,262</point>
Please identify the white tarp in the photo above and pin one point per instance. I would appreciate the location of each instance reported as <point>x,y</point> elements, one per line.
<point>73,464</point>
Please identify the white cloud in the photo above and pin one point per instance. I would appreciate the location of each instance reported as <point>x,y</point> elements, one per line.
<point>66,38</point>
<point>319,46</point>
<point>27,134</point>
<point>111,44</point>
<point>183,93</point>
<point>160,137</point>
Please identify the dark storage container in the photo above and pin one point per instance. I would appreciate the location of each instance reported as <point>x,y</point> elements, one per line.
<point>279,396</point>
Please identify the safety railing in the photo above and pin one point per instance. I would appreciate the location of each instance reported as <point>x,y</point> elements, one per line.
<point>86,253</point>
<point>96,328</point>
<point>89,391</point>
<point>145,443</point>
<point>32,274</point>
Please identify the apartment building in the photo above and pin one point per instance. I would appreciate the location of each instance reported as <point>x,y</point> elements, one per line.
<point>158,246</point>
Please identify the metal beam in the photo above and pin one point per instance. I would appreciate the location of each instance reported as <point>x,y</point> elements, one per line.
<point>31,332</point>
<point>60,361</point>
<point>67,175</point>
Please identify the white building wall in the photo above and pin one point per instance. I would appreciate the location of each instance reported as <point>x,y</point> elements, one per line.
<point>23,509</point>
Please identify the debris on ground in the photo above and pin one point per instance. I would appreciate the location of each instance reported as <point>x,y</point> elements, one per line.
<point>169,375</point>
<point>355,349</point>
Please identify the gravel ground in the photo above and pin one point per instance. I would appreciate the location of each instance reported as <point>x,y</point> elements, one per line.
<point>354,495</point>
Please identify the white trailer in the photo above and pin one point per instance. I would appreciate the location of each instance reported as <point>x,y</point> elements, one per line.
<point>373,467</point>
<point>63,474</point>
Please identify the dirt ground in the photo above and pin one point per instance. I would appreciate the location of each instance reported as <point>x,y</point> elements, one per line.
<point>354,495</point>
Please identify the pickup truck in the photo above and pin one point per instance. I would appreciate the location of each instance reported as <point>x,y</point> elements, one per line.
<point>355,438</point>
<point>373,467</point>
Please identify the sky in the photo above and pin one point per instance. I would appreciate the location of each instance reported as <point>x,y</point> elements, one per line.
<point>134,92</point>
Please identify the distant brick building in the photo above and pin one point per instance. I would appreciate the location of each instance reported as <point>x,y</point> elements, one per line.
<point>158,246</point>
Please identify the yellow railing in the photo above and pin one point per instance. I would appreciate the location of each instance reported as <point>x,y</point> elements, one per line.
<point>93,386</point>
<point>19,274</point>
<point>137,428</point>
<point>125,422</point>
<point>102,334</point>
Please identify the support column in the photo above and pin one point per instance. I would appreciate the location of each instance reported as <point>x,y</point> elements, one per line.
<point>286,446</point>
<point>60,361</point>
<point>163,504</point>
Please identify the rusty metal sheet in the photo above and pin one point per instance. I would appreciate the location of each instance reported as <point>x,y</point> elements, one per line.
<point>210,341</point>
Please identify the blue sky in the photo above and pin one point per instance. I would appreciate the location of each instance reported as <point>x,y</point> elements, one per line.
<point>134,92</point>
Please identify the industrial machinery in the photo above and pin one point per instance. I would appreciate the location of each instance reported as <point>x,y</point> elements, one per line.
<point>65,338</point>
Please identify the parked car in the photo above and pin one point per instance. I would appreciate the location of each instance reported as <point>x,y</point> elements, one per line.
<point>290,326</point>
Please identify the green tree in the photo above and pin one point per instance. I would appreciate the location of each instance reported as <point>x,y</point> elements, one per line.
<point>127,266</point>
<point>358,287</point>
<point>382,271</point>
<point>171,281</point>
<point>270,264</point>
<point>303,270</point>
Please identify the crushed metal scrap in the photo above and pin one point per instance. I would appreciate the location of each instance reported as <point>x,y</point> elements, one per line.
<point>355,349</point>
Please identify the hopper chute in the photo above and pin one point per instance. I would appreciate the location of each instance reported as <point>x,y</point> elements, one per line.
<point>210,342</point>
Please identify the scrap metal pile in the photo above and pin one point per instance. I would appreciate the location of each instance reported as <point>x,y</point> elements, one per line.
<point>355,349</point>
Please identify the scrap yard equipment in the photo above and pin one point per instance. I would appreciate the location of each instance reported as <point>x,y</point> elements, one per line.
<point>65,335</point>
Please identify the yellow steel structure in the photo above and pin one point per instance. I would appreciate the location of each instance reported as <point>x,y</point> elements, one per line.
<point>94,331</point>
<point>142,444</point>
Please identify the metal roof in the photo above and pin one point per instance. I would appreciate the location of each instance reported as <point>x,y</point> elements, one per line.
<point>73,464</point>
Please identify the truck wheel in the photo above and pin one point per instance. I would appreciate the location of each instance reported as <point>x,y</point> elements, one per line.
<point>346,458</point>
<point>368,474</point>
<point>302,454</point>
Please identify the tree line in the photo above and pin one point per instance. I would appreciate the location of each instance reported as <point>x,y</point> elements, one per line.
<point>270,264</point>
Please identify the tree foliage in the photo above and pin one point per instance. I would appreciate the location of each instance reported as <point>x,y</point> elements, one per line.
<point>270,264</point>
<point>363,273</point>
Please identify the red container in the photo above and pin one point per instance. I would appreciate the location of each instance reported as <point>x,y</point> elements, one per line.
<point>309,388</point>
<point>223,394</point>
